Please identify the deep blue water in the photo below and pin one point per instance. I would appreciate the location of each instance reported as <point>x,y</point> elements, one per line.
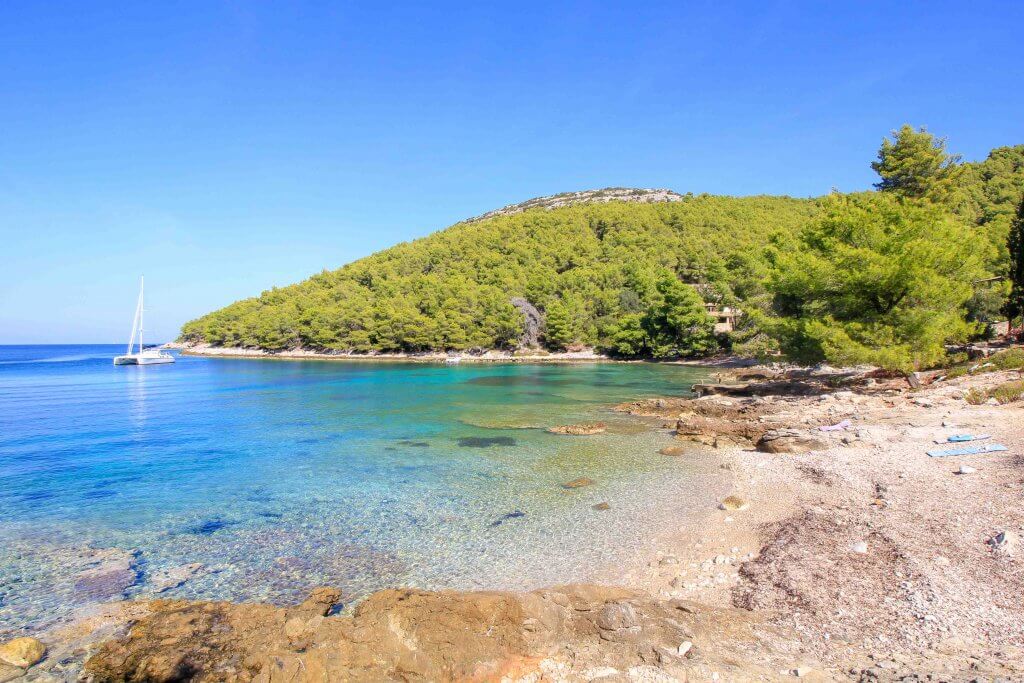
<point>281,475</point>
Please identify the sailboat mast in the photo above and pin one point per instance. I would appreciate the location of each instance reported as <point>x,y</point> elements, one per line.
<point>142,309</point>
<point>135,323</point>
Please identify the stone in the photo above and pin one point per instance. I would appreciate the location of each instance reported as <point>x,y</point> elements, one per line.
<point>1005,542</point>
<point>733,503</point>
<point>860,547</point>
<point>789,441</point>
<point>684,648</point>
<point>23,652</point>
<point>966,469</point>
<point>616,616</point>
<point>602,506</point>
<point>320,601</point>
<point>294,627</point>
<point>578,483</point>
<point>673,450</point>
<point>580,429</point>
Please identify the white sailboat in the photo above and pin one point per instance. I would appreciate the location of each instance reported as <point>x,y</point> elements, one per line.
<point>144,356</point>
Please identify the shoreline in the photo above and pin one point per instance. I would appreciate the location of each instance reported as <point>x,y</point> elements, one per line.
<point>775,587</point>
<point>489,356</point>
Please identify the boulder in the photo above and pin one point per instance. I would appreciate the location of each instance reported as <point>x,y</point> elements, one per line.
<point>789,441</point>
<point>22,652</point>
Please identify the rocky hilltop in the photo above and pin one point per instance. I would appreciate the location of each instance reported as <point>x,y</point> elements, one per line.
<point>609,194</point>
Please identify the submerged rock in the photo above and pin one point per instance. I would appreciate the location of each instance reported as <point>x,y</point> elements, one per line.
<point>207,527</point>
<point>602,506</point>
<point>578,483</point>
<point>673,450</point>
<point>166,579</point>
<point>486,441</point>
<point>507,516</point>
<point>580,429</point>
<point>111,573</point>
<point>22,652</point>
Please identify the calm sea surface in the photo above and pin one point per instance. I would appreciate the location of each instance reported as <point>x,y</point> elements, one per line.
<point>277,476</point>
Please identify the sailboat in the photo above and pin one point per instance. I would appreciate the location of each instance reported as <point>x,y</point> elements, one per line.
<point>144,356</point>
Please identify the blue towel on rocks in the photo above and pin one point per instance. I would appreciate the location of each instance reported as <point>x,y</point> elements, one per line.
<point>969,450</point>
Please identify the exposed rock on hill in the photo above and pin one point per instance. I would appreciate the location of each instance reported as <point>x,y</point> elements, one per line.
<point>608,194</point>
<point>533,322</point>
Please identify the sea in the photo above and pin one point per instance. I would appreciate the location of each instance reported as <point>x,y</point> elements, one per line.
<point>259,479</point>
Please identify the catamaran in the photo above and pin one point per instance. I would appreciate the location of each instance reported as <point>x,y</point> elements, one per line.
<point>152,356</point>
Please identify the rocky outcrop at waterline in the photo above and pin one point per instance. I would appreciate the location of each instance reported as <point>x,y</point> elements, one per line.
<point>578,632</point>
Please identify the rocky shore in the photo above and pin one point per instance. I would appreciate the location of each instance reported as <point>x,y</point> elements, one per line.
<point>490,356</point>
<point>844,552</point>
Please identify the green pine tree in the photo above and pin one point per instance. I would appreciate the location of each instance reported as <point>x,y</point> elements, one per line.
<point>916,164</point>
<point>1015,245</point>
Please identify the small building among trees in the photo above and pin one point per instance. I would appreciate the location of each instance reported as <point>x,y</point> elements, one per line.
<point>725,319</point>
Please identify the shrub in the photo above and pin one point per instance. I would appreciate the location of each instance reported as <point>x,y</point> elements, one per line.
<point>976,397</point>
<point>1008,392</point>
<point>1010,359</point>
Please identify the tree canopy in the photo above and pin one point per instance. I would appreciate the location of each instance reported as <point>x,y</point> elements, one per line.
<point>915,164</point>
<point>1015,245</point>
<point>875,279</point>
<point>600,273</point>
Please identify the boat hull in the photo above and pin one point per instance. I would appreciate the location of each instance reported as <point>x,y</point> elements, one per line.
<point>137,359</point>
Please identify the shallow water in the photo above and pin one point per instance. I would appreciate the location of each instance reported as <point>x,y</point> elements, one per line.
<point>278,476</point>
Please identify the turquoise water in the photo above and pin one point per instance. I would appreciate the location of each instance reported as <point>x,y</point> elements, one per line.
<point>277,476</point>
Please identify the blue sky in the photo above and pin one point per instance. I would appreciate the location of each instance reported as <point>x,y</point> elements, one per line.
<point>225,147</point>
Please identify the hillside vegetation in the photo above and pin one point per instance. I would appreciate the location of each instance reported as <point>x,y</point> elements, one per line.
<point>884,276</point>
<point>587,267</point>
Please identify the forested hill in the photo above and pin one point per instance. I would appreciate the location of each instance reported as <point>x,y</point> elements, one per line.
<point>886,277</point>
<point>585,266</point>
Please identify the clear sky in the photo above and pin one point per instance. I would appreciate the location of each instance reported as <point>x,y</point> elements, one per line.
<point>221,148</point>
